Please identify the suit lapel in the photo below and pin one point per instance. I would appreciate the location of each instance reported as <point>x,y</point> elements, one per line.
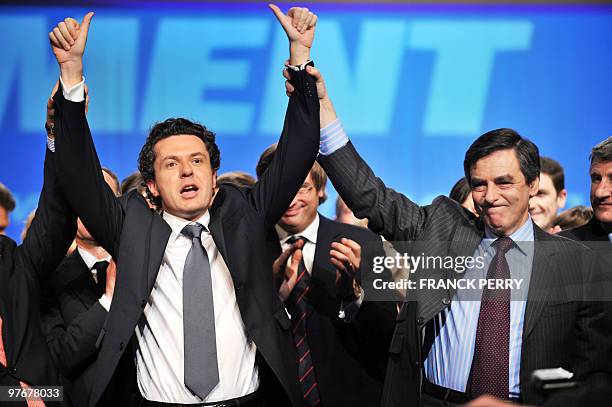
<point>158,240</point>
<point>542,279</point>
<point>4,304</point>
<point>466,238</point>
<point>464,242</point>
<point>220,217</point>
<point>215,226</point>
<point>323,272</point>
<point>14,325</point>
<point>216,230</point>
<point>81,281</point>
<point>6,262</point>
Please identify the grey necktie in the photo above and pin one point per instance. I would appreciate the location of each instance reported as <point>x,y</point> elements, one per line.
<point>201,369</point>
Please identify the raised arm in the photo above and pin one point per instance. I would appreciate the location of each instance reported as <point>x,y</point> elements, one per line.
<point>390,213</point>
<point>52,230</point>
<point>78,166</point>
<point>299,142</point>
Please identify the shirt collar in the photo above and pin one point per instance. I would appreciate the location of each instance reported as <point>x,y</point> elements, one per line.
<point>310,233</point>
<point>89,259</point>
<point>523,237</point>
<point>177,224</point>
<point>610,237</point>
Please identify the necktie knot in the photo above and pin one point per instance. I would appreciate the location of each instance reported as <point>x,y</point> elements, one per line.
<point>193,230</point>
<point>296,238</point>
<point>503,244</point>
<point>100,266</point>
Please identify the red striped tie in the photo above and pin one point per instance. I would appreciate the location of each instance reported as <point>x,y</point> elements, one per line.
<point>300,310</point>
<point>32,402</point>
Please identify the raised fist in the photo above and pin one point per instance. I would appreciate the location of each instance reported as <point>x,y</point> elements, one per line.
<point>298,23</point>
<point>68,39</point>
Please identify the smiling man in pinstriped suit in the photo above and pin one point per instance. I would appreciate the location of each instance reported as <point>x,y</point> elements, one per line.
<point>445,351</point>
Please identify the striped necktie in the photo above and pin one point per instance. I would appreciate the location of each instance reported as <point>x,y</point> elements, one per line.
<point>300,310</point>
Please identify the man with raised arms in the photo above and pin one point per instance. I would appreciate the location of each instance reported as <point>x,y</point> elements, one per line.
<point>195,318</point>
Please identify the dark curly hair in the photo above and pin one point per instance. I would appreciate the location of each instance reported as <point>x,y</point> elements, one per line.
<point>165,129</point>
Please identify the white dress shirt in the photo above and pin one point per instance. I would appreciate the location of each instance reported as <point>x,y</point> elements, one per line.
<point>160,354</point>
<point>90,260</point>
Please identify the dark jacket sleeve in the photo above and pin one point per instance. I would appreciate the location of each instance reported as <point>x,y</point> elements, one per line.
<point>295,153</point>
<point>80,175</point>
<point>390,213</point>
<point>53,228</point>
<point>374,323</point>
<point>72,345</point>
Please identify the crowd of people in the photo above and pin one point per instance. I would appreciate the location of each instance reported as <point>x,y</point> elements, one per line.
<point>179,286</point>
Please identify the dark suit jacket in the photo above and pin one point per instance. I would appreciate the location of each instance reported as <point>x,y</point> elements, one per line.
<point>73,318</point>
<point>348,369</point>
<point>561,328</point>
<point>136,238</point>
<point>591,233</point>
<point>593,236</point>
<point>23,269</point>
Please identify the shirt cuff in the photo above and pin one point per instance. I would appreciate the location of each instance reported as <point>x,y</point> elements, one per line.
<point>76,93</point>
<point>301,67</point>
<point>349,311</point>
<point>105,302</point>
<point>51,144</point>
<point>333,137</point>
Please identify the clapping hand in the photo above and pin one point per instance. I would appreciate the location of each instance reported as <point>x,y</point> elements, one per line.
<point>346,257</point>
<point>286,267</point>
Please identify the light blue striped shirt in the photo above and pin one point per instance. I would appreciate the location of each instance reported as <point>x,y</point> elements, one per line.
<point>332,138</point>
<point>450,359</point>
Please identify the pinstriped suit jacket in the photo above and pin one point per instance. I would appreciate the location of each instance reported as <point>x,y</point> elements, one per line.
<point>561,329</point>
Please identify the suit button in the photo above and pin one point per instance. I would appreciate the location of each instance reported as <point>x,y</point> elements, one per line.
<point>418,364</point>
<point>13,370</point>
<point>121,345</point>
<point>420,320</point>
<point>445,301</point>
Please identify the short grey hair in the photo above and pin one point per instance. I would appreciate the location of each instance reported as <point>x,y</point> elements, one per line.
<point>602,151</point>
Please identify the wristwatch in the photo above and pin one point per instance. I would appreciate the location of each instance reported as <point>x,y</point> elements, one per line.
<point>50,129</point>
